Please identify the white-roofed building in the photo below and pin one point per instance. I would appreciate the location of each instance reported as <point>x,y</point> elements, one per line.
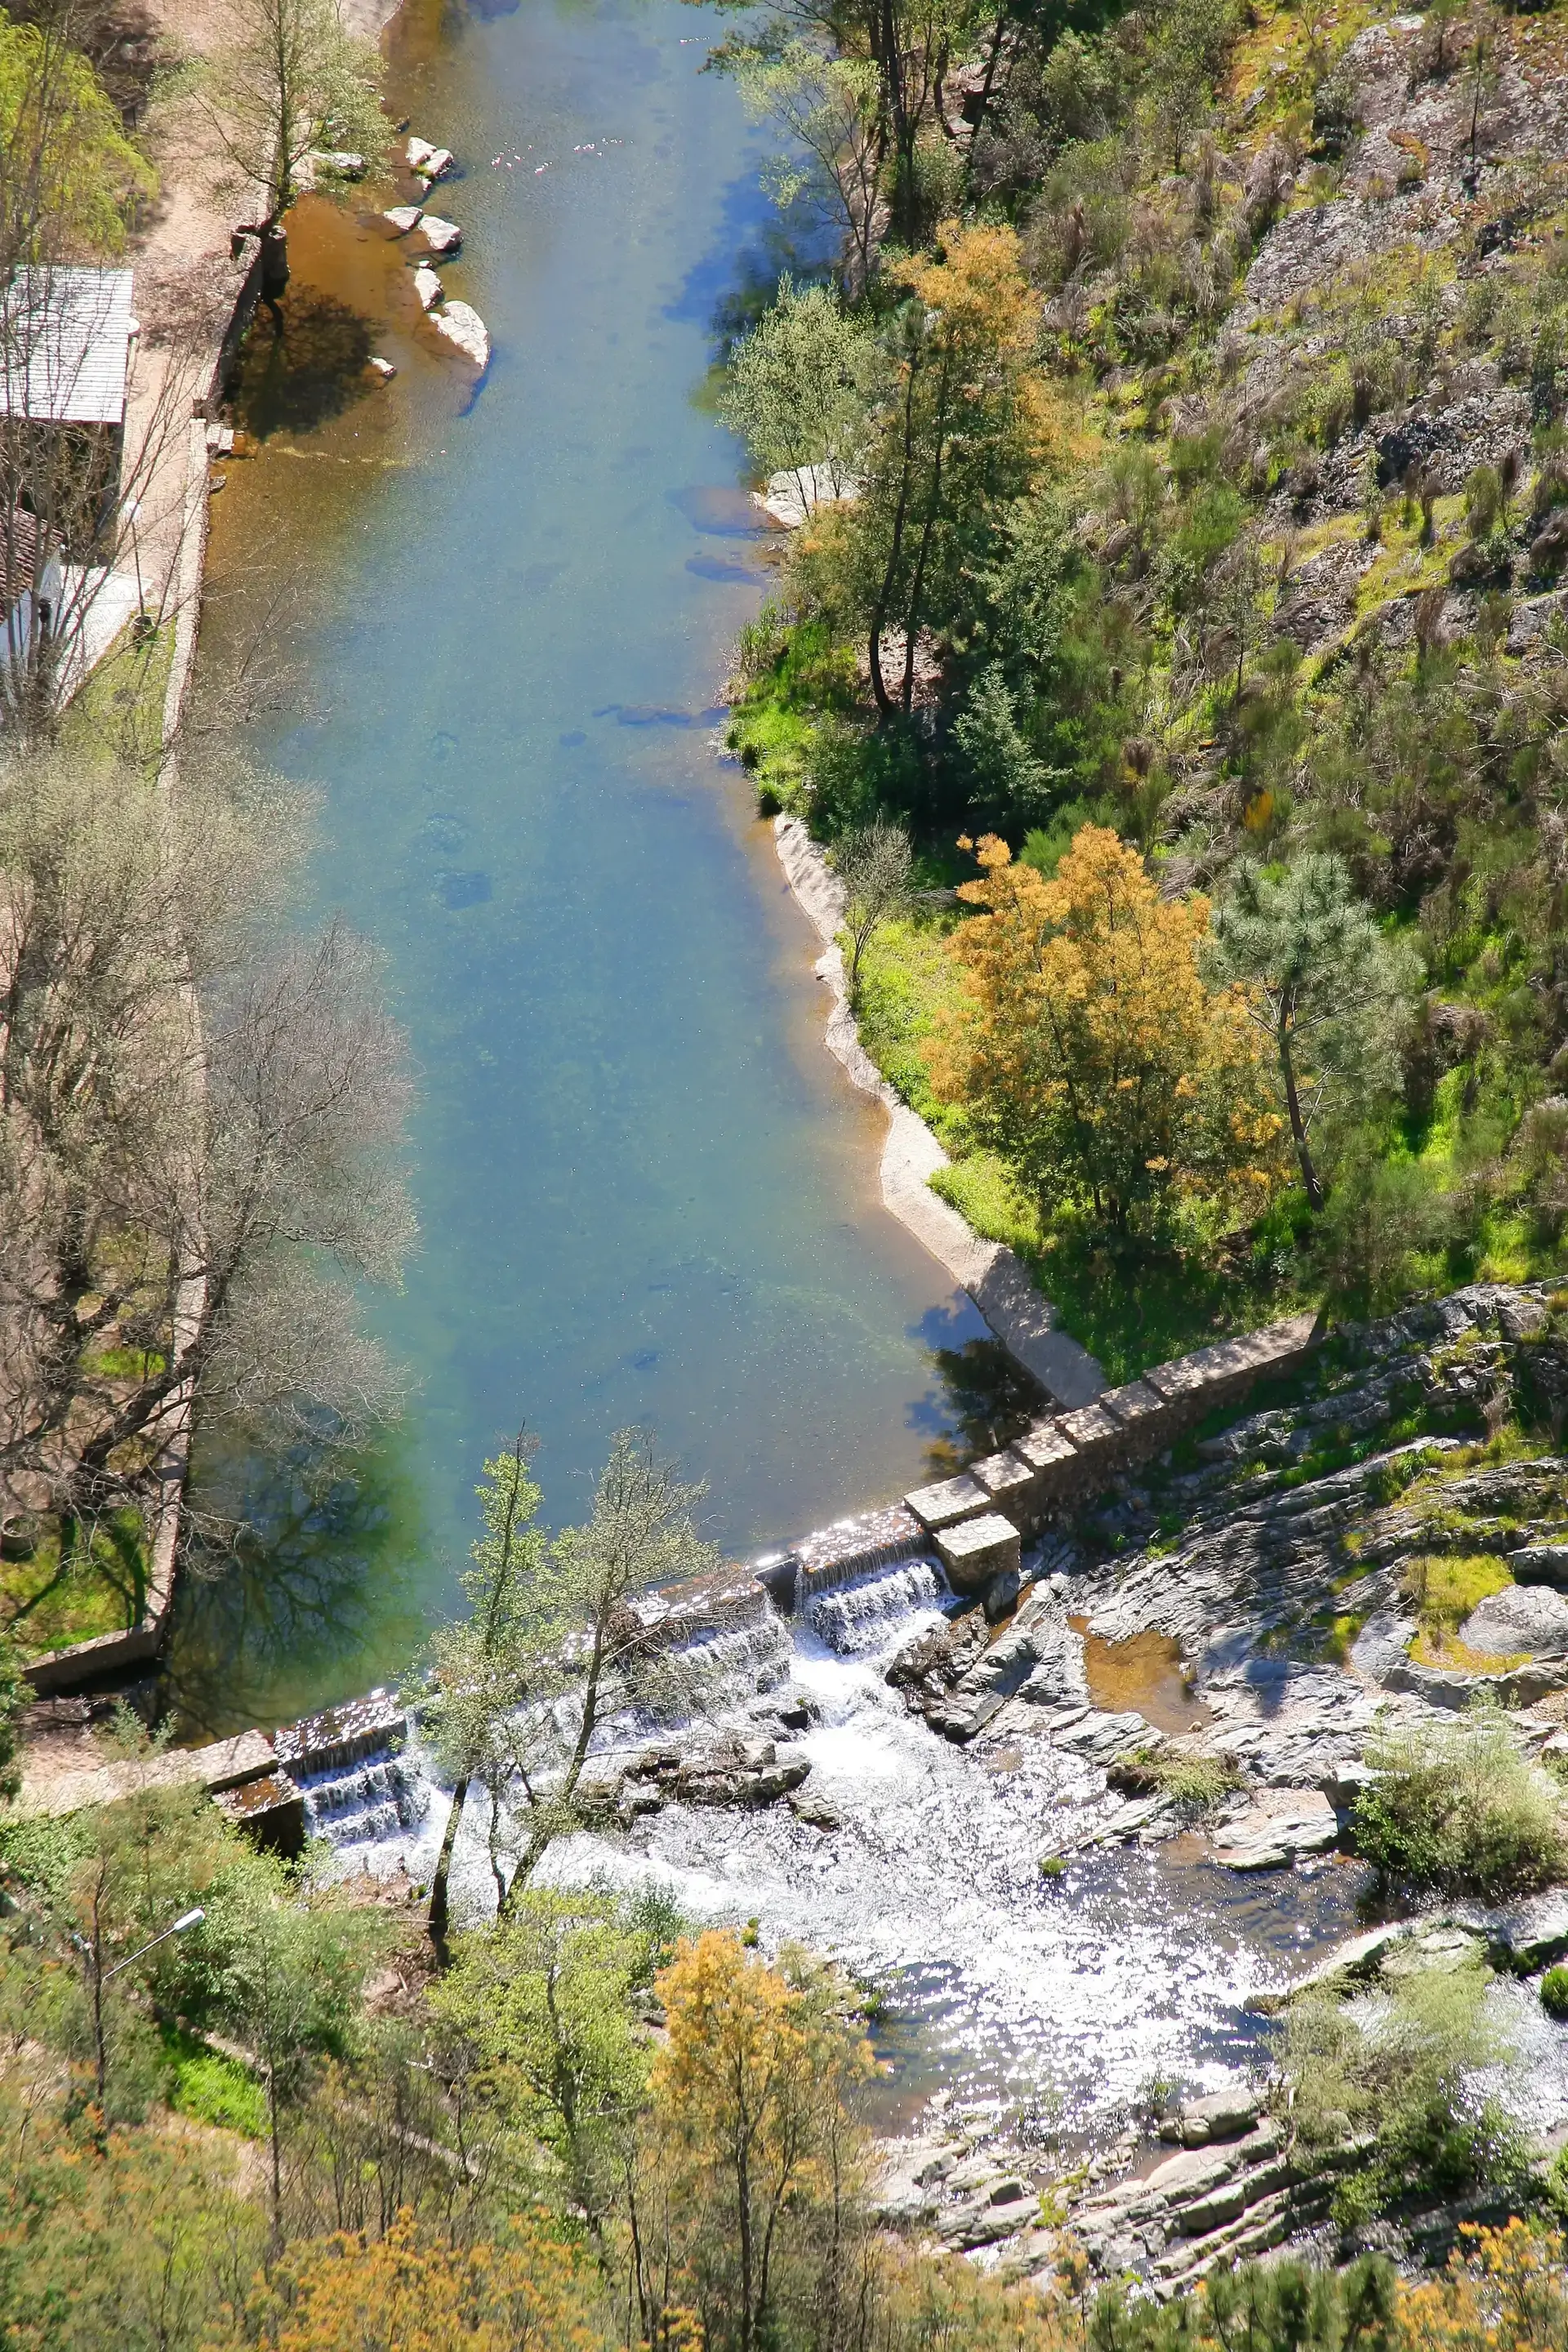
<point>65,354</point>
<point>65,345</point>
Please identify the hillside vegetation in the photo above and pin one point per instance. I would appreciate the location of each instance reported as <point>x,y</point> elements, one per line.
<point>1199,390</point>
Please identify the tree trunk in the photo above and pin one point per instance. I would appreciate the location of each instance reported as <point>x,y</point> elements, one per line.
<point>438,1911</point>
<point>1298,1126</point>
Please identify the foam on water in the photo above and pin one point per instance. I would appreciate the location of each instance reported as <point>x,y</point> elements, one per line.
<point>857,1617</point>
<point>1072,1993</point>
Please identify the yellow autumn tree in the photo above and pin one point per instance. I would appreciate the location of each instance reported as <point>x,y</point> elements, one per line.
<point>745,2219</point>
<point>960,432</point>
<point>409,2291</point>
<point>1089,1052</point>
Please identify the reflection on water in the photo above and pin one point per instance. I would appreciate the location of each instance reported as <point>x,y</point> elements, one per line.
<point>645,1192</point>
<point>318,1578</point>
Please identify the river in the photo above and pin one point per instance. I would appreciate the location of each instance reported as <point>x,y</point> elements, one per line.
<point>501,622</point>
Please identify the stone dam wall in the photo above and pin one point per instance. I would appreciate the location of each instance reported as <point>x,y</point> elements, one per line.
<point>975,1524</point>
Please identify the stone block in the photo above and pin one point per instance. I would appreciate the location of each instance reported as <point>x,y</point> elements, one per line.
<point>1006,1476</point>
<point>728,1598</point>
<point>976,1550</point>
<point>1183,1380</point>
<point>1044,1446</point>
<point>832,1555</point>
<point>1134,1403</point>
<point>1093,1430</point>
<point>271,1811</point>
<point>948,1502</point>
<point>1254,1353</point>
<point>341,1734</point>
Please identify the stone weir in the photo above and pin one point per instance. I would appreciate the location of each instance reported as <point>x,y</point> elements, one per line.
<point>340,1773</point>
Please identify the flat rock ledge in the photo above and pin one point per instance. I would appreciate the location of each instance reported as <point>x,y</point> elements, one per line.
<point>728,1771</point>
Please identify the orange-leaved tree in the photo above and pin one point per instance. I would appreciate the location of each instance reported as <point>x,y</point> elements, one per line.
<point>1504,2291</point>
<point>1089,1052</point>
<point>410,2292</point>
<point>745,2217</point>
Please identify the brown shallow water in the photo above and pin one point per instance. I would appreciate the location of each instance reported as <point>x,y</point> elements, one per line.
<point>1142,1675</point>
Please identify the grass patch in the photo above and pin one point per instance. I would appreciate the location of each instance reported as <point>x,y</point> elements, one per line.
<point>1444,1589</point>
<point>1198,1781</point>
<point>211,2088</point>
<point>50,1596</point>
<point>1456,1808</point>
<point>794,677</point>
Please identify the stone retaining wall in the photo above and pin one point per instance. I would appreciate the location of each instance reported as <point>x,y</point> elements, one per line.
<point>1062,1459</point>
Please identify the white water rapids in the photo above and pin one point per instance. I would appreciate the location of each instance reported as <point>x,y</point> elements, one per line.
<point>1066,1998</point>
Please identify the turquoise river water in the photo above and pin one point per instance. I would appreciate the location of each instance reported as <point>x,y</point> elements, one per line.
<point>501,619</point>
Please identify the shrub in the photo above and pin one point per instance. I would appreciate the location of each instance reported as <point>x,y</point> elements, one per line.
<point>1394,2073</point>
<point>1555,1993</point>
<point>1197,1780</point>
<point>1457,1807</point>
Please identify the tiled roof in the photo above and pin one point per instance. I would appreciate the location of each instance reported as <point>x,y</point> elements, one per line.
<point>19,559</point>
<point>64,341</point>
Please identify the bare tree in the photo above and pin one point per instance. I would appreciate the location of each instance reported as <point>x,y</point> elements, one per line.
<point>874,863</point>
<point>185,1202</point>
<point>292,88</point>
<point>551,1641</point>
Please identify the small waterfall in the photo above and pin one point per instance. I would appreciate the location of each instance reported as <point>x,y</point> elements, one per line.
<point>857,1617</point>
<point>366,1801</point>
<point>740,1663</point>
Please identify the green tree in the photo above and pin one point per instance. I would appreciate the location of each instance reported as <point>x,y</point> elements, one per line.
<point>485,1663</point>
<point>794,392</point>
<point>69,178</point>
<point>874,863</point>
<point>955,440</point>
<point>291,1992</point>
<point>547,2003</point>
<point>1004,778</point>
<point>290,84</point>
<point>827,106</point>
<point>550,1640</point>
<point>1322,981</point>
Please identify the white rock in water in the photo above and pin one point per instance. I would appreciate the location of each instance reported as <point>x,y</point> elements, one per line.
<point>435,165</point>
<point>339,159</point>
<point>428,286</point>
<point>463,326</point>
<point>793,495</point>
<point>440,236</point>
<point>401,218</point>
<point>417,153</point>
<point>383,368</point>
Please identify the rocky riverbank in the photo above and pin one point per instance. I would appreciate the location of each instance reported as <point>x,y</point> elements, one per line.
<point>1089,1850</point>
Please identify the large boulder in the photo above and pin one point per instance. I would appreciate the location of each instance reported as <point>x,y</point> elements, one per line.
<point>463,326</point>
<point>1284,1823</point>
<point>441,236</point>
<point>1528,1620</point>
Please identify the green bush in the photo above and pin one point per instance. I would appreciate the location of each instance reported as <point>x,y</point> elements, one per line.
<point>1456,1806</point>
<point>1392,2074</point>
<point>1555,1994</point>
